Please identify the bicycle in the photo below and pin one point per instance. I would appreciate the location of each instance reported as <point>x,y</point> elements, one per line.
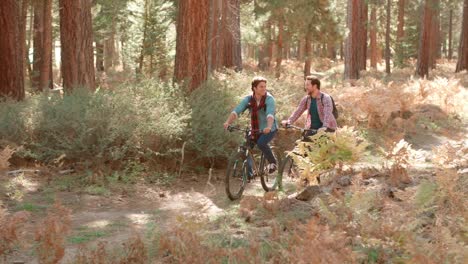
<point>288,167</point>
<point>237,174</point>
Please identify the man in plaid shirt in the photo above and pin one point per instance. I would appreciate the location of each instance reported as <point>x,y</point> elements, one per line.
<point>319,109</point>
<point>263,122</point>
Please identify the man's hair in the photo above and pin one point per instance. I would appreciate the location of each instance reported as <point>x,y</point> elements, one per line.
<point>313,81</point>
<point>256,80</point>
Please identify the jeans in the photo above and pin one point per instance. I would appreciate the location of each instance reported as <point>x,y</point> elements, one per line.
<point>262,144</point>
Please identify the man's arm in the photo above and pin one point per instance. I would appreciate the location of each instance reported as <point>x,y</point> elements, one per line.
<point>298,112</point>
<point>237,111</point>
<point>270,112</point>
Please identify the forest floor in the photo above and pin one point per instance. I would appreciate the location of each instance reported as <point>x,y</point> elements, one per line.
<point>360,215</point>
<point>116,214</point>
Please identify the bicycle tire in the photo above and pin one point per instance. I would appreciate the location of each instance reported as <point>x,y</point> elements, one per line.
<point>236,176</point>
<point>269,181</point>
<point>288,170</point>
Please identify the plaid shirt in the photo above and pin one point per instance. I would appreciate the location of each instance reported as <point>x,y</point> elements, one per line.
<point>325,111</point>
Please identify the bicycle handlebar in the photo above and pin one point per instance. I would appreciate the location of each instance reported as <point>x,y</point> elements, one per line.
<point>232,128</point>
<point>288,126</point>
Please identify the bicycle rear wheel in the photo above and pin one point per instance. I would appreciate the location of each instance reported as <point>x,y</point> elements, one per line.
<point>236,176</point>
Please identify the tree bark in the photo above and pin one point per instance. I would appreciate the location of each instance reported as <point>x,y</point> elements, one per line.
<point>434,53</point>
<point>191,44</point>
<point>235,14</point>
<point>11,63</point>
<point>422,67</point>
<point>45,79</point>
<point>76,37</point>
<point>450,48</point>
<point>99,56</point>
<point>279,54</point>
<point>363,34</point>
<point>22,34</point>
<point>144,42</point>
<point>387,37</point>
<point>38,43</point>
<point>462,63</point>
<point>308,53</point>
<point>401,21</point>
<point>301,49</point>
<point>30,40</point>
<point>353,40</point>
<point>373,37</point>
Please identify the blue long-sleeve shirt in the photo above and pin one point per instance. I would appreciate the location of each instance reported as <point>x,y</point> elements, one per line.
<point>263,113</point>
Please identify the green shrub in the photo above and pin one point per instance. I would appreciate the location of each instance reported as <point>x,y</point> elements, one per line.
<point>14,121</point>
<point>327,150</point>
<point>82,126</point>
<point>144,118</point>
<point>211,105</point>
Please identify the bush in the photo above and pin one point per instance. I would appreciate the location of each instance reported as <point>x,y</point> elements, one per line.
<point>98,127</point>
<point>211,105</point>
<point>14,122</point>
<point>325,151</point>
<point>81,126</point>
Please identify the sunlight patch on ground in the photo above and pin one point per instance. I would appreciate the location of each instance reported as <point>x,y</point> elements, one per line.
<point>193,203</point>
<point>139,219</point>
<point>98,224</point>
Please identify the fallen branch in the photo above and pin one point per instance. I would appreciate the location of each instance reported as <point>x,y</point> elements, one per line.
<point>16,172</point>
<point>182,158</point>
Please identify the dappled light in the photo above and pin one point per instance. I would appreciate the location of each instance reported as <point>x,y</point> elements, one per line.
<point>229,131</point>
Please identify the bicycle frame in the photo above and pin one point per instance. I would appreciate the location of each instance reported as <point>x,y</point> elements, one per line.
<point>247,148</point>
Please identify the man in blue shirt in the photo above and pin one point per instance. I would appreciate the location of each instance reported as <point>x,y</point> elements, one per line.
<point>262,113</point>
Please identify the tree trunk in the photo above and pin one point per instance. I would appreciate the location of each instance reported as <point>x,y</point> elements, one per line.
<point>45,79</point>
<point>363,35</point>
<point>353,40</point>
<point>308,53</point>
<point>11,63</point>
<point>224,41</point>
<point>422,67</point>
<point>462,63</point>
<point>450,45</point>
<point>211,23</point>
<point>22,34</point>
<point>191,44</point>
<point>269,44</point>
<point>38,43</point>
<point>109,53</point>
<point>76,37</point>
<point>230,53</point>
<point>387,37</point>
<point>237,36</point>
<point>401,21</point>
<point>435,38</point>
<point>279,54</point>
<point>331,49</point>
<point>341,51</point>
<point>301,49</point>
<point>143,42</point>
<point>400,57</point>
<point>99,56</point>
<point>30,40</point>
<point>373,37</point>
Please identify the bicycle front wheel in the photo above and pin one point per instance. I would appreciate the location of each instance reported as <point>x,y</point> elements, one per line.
<point>270,182</point>
<point>288,172</point>
<point>236,176</point>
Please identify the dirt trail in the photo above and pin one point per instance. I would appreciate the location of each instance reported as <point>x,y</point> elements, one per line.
<point>148,209</point>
